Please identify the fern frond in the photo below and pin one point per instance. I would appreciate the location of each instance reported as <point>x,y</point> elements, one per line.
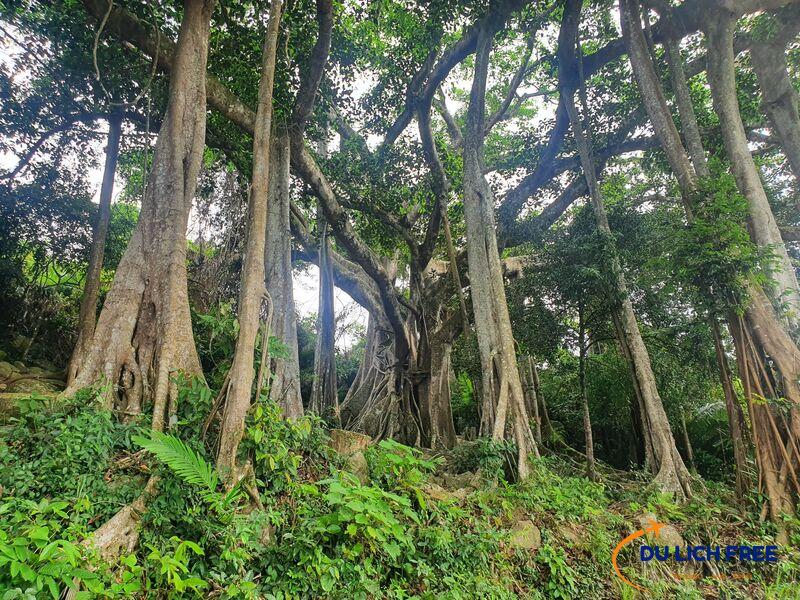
<point>185,462</point>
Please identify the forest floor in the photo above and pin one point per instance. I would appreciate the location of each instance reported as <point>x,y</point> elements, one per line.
<point>346,518</point>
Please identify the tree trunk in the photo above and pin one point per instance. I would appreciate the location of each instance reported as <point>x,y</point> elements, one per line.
<point>764,229</point>
<point>371,405</point>
<point>532,385</point>
<point>438,328</point>
<point>284,389</point>
<point>502,389</point>
<point>687,444</point>
<point>252,292</point>
<point>324,400</point>
<point>735,421</point>
<point>779,97</point>
<point>591,472</point>
<point>691,131</point>
<point>91,289</point>
<point>670,472</point>
<point>547,426</point>
<point>143,336</point>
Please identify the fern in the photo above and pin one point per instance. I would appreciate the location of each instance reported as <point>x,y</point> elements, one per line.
<point>189,466</point>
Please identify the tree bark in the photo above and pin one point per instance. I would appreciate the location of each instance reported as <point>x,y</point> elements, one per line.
<point>252,291</point>
<point>284,388</point>
<point>763,227</point>
<point>143,336</point>
<point>691,131</point>
<point>591,471</point>
<point>533,397</point>
<point>780,99</point>
<point>324,400</point>
<point>371,405</point>
<point>687,444</point>
<point>502,389</point>
<point>91,289</point>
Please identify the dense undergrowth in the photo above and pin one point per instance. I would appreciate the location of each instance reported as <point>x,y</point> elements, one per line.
<point>65,467</point>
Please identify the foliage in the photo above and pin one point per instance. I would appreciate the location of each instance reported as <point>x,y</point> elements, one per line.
<point>494,459</point>
<point>714,252</point>
<point>190,467</point>
<point>463,403</point>
<point>63,449</point>
<point>280,447</point>
<point>171,568</point>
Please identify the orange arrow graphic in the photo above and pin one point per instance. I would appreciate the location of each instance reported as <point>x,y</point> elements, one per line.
<point>655,528</point>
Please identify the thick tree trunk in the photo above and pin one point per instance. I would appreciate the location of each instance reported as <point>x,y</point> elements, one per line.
<point>764,229</point>
<point>437,328</point>
<point>252,292</point>
<point>91,289</point>
<point>780,99</point>
<point>502,388</point>
<point>284,388</point>
<point>143,335</point>
<point>435,396</point>
<point>324,400</point>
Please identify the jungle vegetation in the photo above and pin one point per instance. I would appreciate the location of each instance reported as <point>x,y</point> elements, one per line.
<point>573,227</point>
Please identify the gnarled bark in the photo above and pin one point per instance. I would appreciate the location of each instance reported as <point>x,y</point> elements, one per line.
<point>284,387</point>
<point>372,405</point>
<point>143,335</point>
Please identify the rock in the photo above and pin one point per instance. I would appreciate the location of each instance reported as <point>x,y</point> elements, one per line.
<point>440,494</point>
<point>37,371</point>
<point>525,535</point>
<point>6,369</point>
<point>351,445</point>
<point>9,406</point>
<point>31,385</point>
<point>571,533</point>
<point>20,366</point>
<point>357,464</point>
<point>467,479</point>
<point>668,535</point>
<point>348,442</point>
